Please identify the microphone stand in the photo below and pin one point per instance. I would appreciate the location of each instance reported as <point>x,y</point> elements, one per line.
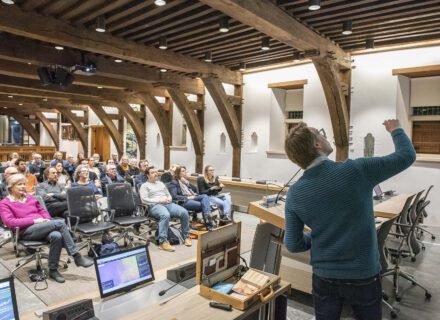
<point>161,293</point>
<point>266,203</point>
<point>285,185</point>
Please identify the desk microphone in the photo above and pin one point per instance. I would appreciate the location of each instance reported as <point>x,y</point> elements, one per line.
<point>182,276</point>
<point>279,192</point>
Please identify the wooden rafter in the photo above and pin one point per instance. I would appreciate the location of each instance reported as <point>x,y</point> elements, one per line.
<point>80,130</point>
<point>32,25</point>
<point>193,123</point>
<point>25,123</point>
<point>47,124</point>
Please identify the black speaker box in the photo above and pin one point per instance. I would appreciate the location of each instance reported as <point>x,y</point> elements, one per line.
<point>80,310</point>
<point>45,76</point>
<point>185,271</point>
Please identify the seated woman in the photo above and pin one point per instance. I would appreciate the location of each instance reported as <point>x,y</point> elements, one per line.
<point>209,185</point>
<point>63,176</point>
<point>185,193</point>
<point>82,180</point>
<point>22,210</point>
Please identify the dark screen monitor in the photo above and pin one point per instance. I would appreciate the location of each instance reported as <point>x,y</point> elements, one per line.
<point>378,191</point>
<point>8,302</point>
<point>124,270</point>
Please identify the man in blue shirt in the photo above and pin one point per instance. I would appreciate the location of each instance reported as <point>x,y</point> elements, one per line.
<point>335,200</point>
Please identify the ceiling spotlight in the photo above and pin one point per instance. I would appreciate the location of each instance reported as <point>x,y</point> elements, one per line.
<point>296,56</point>
<point>347,27</point>
<point>29,63</point>
<point>45,99</point>
<point>118,60</point>
<point>208,56</point>
<point>242,66</point>
<point>223,24</point>
<point>160,3</point>
<point>369,44</point>
<point>314,5</point>
<point>99,87</point>
<point>59,48</point>
<point>10,97</point>
<point>100,24</point>
<point>163,43</point>
<point>20,104</point>
<point>265,43</point>
<point>163,70</point>
<point>8,1</point>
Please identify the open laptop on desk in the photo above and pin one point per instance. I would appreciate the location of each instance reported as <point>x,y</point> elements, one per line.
<point>380,195</point>
<point>8,301</point>
<point>122,271</point>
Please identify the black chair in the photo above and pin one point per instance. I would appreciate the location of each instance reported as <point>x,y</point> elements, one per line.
<point>398,252</point>
<point>88,219</point>
<point>420,228</point>
<point>124,212</point>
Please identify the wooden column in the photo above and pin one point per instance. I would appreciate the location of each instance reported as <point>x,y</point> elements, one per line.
<point>193,123</point>
<point>52,132</point>
<point>83,133</point>
<point>330,77</point>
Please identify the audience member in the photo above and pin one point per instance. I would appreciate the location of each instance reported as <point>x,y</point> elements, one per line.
<point>24,211</point>
<point>92,168</point>
<point>155,194</point>
<point>82,180</point>
<point>58,156</point>
<point>92,175</point>
<point>185,192</point>
<point>71,165</point>
<point>79,158</point>
<point>62,177</point>
<point>115,158</point>
<point>31,181</point>
<point>3,187</point>
<point>12,158</point>
<point>123,169</point>
<point>111,177</point>
<point>98,165</point>
<point>37,166</point>
<point>53,193</point>
<point>142,176</point>
<point>211,186</point>
<point>168,176</point>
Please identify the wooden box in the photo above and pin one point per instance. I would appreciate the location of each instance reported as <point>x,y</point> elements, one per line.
<point>218,260</point>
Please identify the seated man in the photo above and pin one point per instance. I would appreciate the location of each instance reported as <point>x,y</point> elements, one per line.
<point>155,194</point>
<point>111,177</point>
<point>185,192</point>
<point>37,166</point>
<point>31,180</point>
<point>53,194</point>
<point>71,165</point>
<point>142,176</point>
<point>3,189</point>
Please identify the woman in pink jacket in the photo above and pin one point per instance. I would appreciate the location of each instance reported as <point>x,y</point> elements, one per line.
<point>22,210</point>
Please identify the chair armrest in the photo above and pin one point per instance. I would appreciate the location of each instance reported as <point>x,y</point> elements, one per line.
<point>402,224</point>
<point>76,222</point>
<point>111,211</point>
<point>15,235</point>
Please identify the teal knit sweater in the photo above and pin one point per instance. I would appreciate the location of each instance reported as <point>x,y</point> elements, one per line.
<point>335,200</point>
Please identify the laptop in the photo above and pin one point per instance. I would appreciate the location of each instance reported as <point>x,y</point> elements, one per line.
<point>378,191</point>
<point>8,301</point>
<point>122,271</point>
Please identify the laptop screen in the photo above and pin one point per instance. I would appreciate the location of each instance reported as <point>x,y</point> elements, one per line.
<point>8,302</point>
<point>122,271</point>
<point>378,191</point>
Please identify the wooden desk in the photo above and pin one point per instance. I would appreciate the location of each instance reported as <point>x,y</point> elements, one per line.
<point>392,207</point>
<point>190,305</point>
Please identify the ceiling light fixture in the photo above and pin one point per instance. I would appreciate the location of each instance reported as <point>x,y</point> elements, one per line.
<point>223,24</point>
<point>208,56</point>
<point>163,70</point>
<point>163,43</point>
<point>265,43</point>
<point>347,27</point>
<point>59,48</point>
<point>8,1</point>
<point>99,87</point>
<point>242,66</point>
<point>160,3</point>
<point>369,44</point>
<point>100,24</point>
<point>10,97</point>
<point>20,104</point>
<point>45,99</point>
<point>118,60</point>
<point>314,5</point>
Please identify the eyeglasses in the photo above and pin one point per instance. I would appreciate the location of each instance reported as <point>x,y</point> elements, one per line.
<point>322,132</point>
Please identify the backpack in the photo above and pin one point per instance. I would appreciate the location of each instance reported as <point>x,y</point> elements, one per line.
<point>108,246</point>
<point>174,236</point>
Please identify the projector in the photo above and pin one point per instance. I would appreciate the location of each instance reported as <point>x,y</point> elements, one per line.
<point>84,70</point>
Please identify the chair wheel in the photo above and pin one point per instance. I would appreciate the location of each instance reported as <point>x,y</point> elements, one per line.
<point>393,315</point>
<point>413,259</point>
<point>68,260</point>
<point>433,237</point>
<point>423,248</point>
<point>65,266</point>
<point>428,295</point>
<point>413,283</point>
<point>398,298</point>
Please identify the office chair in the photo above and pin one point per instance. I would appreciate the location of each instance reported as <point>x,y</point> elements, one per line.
<point>396,272</point>
<point>421,229</point>
<point>84,211</point>
<point>124,212</point>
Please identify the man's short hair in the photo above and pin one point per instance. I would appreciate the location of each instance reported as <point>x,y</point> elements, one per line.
<point>147,171</point>
<point>46,171</point>
<point>17,162</point>
<point>300,145</point>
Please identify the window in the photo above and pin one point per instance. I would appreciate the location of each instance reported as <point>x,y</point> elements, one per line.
<point>426,136</point>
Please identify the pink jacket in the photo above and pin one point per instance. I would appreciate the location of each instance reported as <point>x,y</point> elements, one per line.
<point>21,214</point>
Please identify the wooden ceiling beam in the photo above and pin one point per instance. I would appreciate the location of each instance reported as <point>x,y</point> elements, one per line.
<point>269,19</point>
<point>30,51</point>
<point>102,9</point>
<point>31,25</point>
<point>50,129</point>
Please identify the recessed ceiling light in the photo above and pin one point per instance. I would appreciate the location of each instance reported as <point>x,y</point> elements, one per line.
<point>8,1</point>
<point>118,60</point>
<point>4,107</point>
<point>265,43</point>
<point>29,63</point>
<point>160,3</point>
<point>163,43</point>
<point>59,48</point>
<point>347,27</point>
<point>20,104</point>
<point>100,24</point>
<point>242,66</point>
<point>314,5</point>
<point>208,56</point>
<point>163,70</point>
<point>45,99</point>
<point>223,24</point>
<point>10,97</point>
<point>99,87</point>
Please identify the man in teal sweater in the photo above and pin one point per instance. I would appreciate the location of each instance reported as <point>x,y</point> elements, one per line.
<point>335,200</point>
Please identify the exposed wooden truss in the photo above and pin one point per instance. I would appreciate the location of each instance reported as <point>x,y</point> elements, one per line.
<point>50,129</point>
<point>27,125</point>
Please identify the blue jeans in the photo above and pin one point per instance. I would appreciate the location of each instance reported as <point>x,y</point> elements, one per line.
<point>199,203</point>
<point>364,296</point>
<point>223,203</point>
<point>164,212</point>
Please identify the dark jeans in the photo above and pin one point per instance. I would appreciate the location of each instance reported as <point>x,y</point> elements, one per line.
<point>57,208</point>
<point>364,296</point>
<point>57,233</point>
<point>199,203</point>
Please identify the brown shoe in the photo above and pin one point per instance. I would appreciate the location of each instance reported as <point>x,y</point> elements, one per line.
<point>166,246</point>
<point>188,242</point>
